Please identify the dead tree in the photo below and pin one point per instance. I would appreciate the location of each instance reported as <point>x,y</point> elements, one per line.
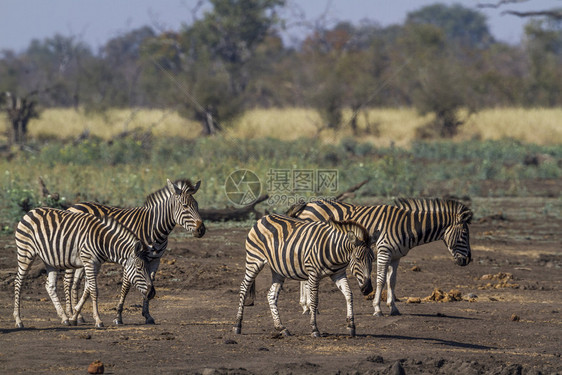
<point>234,214</point>
<point>20,110</point>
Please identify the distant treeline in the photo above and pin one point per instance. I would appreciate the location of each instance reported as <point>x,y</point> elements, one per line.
<point>232,58</point>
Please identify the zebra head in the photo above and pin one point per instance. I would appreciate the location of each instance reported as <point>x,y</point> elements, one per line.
<point>362,256</point>
<point>186,209</point>
<point>136,270</point>
<point>456,237</point>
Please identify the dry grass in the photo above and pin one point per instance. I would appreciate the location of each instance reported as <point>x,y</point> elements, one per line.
<point>379,126</point>
<point>534,125</point>
<point>68,123</point>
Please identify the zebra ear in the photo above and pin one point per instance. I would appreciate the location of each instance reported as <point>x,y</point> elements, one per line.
<point>139,249</point>
<point>174,189</point>
<point>466,217</point>
<point>193,190</point>
<point>351,237</point>
<point>375,236</point>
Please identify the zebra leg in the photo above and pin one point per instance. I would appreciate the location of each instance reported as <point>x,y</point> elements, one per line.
<point>79,305</point>
<point>78,275</point>
<point>248,285</point>
<point>68,276</point>
<point>125,286</point>
<point>272,298</point>
<point>383,259</point>
<point>391,283</point>
<point>24,262</point>
<point>304,297</point>
<point>51,286</point>
<point>153,267</point>
<point>93,286</point>
<point>313,283</point>
<point>343,286</point>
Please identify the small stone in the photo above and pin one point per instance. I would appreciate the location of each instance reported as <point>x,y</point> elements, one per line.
<point>230,342</point>
<point>514,318</point>
<point>375,359</point>
<point>96,367</point>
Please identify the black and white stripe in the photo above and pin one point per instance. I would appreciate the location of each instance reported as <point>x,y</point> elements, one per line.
<point>411,222</point>
<point>301,250</point>
<point>69,240</point>
<point>152,224</point>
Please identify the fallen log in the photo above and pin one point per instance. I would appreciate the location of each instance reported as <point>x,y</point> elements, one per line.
<point>234,214</point>
<point>350,193</point>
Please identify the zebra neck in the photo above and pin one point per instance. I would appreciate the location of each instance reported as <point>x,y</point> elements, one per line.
<point>426,227</point>
<point>161,221</point>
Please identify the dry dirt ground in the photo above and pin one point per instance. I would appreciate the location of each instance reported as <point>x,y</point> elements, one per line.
<point>503,324</point>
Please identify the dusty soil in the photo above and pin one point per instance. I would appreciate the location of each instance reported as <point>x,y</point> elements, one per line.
<point>508,321</point>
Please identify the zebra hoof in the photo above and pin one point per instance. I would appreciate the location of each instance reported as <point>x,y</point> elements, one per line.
<point>73,322</point>
<point>351,332</point>
<point>81,320</point>
<point>150,320</point>
<point>377,313</point>
<point>315,334</point>
<point>19,325</point>
<point>99,325</point>
<point>66,322</point>
<point>237,330</point>
<point>286,332</point>
<point>118,322</point>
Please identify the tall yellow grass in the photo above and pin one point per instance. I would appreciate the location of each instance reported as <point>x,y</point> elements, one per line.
<point>378,126</point>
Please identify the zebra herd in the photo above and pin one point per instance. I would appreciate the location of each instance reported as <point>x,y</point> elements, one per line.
<point>313,240</point>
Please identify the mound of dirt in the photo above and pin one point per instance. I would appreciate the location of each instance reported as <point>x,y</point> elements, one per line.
<point>439,296</point>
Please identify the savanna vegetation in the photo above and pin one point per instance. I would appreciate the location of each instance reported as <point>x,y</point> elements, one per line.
<point>433,106</point>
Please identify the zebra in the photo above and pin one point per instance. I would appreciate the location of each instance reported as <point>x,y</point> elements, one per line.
<point>69,240</point>
<point>152,224</point>
<point>301,250</point>
<point>411,222</point>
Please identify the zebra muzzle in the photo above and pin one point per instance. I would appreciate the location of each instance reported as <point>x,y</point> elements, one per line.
<point>462,261</point>
<point>367,288</point>
<point>199,229</point>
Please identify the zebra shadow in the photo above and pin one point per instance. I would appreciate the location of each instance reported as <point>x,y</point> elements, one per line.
<point>47,329</point>
<point>435,341</point>
<point>441,315</point>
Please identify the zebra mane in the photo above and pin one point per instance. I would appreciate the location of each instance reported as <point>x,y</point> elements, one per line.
<point>435,205</point>
<point>183,184</point>
<point>365,236</point>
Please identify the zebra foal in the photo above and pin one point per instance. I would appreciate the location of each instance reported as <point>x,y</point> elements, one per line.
<point>301,250</point>
<point>152,224</point>
<point>68,240</point>
<point>407,224</point>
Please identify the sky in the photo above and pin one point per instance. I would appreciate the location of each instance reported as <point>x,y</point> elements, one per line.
<point>94,22</point>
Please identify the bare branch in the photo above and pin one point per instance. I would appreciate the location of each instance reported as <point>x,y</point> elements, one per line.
<point>500,3</point>
<point>554,14</point>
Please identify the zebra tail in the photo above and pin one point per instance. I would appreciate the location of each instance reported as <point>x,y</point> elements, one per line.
<point>251,295</point>
<point>295,209</point>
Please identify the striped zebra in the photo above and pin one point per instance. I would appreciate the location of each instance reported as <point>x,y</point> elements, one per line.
<point>411,222</point>
<point>152,224</point>
<point>301,250</point>
<point>68,240</point>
